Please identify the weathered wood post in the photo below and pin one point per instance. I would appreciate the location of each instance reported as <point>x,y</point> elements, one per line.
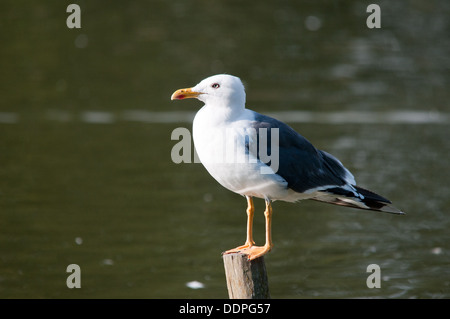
<point>246,279</point>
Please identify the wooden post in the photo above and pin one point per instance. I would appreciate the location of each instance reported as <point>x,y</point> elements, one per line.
<point>246,279</point>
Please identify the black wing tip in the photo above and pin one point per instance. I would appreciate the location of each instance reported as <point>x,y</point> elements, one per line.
<point>371,195</point>
<point>378,202</point>
<point>365,199</point>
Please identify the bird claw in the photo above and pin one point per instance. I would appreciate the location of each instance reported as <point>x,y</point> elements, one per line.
<point>256,252</point>
<point>251,251</point>
<point>239,249</point>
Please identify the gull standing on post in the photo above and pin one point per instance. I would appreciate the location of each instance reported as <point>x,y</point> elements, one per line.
<point>299,171</point>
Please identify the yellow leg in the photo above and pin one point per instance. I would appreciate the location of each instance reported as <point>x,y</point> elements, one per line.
<point>249,241</point>
<point>249,247</point>
<point>254,252</point>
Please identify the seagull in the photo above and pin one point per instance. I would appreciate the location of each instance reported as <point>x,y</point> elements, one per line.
<point>233,143</point>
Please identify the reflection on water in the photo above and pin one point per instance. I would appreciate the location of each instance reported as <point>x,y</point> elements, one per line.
<point>8,117</point>
<point>345,117</point>
<point>86,175</point>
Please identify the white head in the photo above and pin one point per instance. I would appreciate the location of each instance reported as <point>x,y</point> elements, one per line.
<point>220,90</point>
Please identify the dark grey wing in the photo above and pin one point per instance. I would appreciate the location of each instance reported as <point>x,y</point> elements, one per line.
<point>306,168</point>
<point>300,163</point>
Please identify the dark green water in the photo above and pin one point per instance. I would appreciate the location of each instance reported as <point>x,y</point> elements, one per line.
<point>86,175</point>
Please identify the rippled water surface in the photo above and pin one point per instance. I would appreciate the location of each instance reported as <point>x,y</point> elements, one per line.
<point>86,175</point>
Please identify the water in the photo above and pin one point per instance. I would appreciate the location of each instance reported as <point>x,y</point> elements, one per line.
<point>86,175</point>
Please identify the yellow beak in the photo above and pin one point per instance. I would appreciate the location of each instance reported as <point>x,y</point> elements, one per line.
<point>184,94</point>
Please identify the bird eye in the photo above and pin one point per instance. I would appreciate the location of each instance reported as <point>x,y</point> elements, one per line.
<point>215,85</point>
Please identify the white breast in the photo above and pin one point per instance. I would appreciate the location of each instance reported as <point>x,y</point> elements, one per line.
<point>220,146</point>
